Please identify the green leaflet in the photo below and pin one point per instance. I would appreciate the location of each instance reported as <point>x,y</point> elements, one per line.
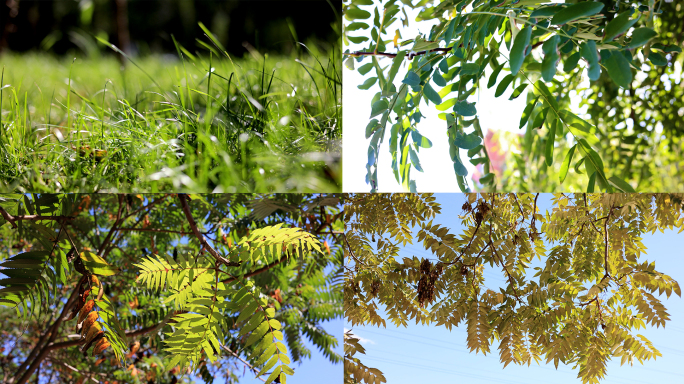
<point>494,75</point>
<point>522,41</point>
<point>657,59</point>
<point>469,69</point>
<point>588,51</point>
<point>431,94</point>
<point>618,67</point>
<point>545,11</point>
<point>365,68</point>
<point>414,160</point>
<point>518,91</point>
<point>420,140</point>
<point>571,62</point>
<point>379,107</point>
<point>576,11</point>
<point>618,26</point>
<point>550,140</point>
<point>368,83</point>
<point>355,26</point>
<point>621,184</point>
<point>593,163</point>
<point>550,48</point>
<point>459,168</point>
<point>97,265</point>
<point>501,88</point>
<point>396,63</point>
<point>464,108</point>
<point>412,79</point>
<point>370,128</point>
<point>354,13</point>
<point>444,66</point>
<point>349,63</point>
<point>641,36</point>
<point>438,79</point>
<point>468,141</point>
<point>566,164</point>
<point>528,111</point>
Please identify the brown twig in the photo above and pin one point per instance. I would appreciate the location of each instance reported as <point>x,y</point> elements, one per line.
<point>243,362</point>
<point>188,215</point>
<point>154,230</point>
<point>410,56</point>
<point>12,219</point>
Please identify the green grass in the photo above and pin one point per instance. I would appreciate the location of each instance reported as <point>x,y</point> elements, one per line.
<point>169,123</point>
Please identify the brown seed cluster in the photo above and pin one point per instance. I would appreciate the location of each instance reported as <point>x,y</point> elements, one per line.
<point>426,285</point>
<point>91,331</point>
<point>375,288</point>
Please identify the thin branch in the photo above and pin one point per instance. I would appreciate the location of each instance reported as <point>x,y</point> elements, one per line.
<point>12,219</point>
<point>519,206</point>
<point>257,271</point>
<point>155,230</point>
<point>243,362</point>
<point>188,215</point>
<point>410,56</point>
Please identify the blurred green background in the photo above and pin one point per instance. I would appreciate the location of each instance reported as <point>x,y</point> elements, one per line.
<point>141,27</point>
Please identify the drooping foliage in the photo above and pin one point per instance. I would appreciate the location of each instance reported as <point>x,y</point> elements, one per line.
<point>594,288</point>
<point>624,50</point>
<point>168,287</point>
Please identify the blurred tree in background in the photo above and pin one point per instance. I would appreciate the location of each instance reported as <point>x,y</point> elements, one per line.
<point>146,26</point>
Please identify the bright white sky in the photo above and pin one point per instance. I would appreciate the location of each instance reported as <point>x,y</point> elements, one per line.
<point>438,176</point>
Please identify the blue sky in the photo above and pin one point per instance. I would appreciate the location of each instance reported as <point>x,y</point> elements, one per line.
<point>432,354</point>
<point>318,369</point>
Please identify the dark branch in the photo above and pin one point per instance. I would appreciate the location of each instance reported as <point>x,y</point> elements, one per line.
<point>188,215</point>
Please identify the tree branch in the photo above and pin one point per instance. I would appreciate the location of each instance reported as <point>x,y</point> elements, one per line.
<point>188,215</point>
<point>410,56</point>
<point>155,230</point>
<point>12,219</point>
<point>243,362</point>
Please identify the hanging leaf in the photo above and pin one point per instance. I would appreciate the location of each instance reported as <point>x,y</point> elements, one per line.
<point>396,63</point>
<point>468,141</point>
<point>571,62</point>
<point>368,83</point>
<point>551,57</point>
<point>464,108</point>
<point>501,88</point>
<point>364,69</point>
<point>494,75</point>
<point>431,94</point>
<point>618,26</point>
<point>589,52</point>
<point>657,59</point>
<point>621,184</point>
<point>354,13</point>
<point>566,164</point>
<point>527,112</point>
<point>414,160</point>
<point>97,265</point>
<point>518,91</point>
<point>550,140</point>
<point>438,79</point>
<point>469,69</point>
<point>459,168</point>
<point>522,41</point>
<point>379,107</point>
<point>618,68</point>
<point>420,140</point>
<point>641,36</point>
<point>370,128</point>
<point>412,79</point>
<point>576,11</point>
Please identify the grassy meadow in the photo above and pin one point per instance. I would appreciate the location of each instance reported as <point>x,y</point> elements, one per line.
<point>194,121</point>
